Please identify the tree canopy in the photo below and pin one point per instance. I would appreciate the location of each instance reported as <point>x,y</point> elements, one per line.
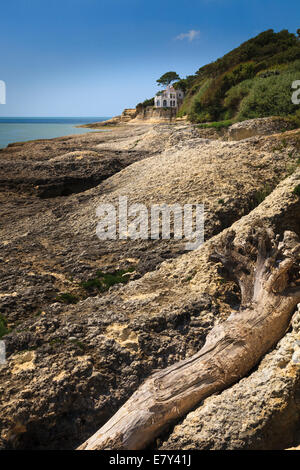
<point>168,78</point>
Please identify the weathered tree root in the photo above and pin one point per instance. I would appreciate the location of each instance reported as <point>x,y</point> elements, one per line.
<point>265,269</point>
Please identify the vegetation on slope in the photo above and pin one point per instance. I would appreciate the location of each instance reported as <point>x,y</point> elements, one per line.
<point>253,80</point>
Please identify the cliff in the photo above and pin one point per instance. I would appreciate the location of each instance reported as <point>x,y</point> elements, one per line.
<point>148,115</point>
<point>127,115</point>
<point>153,115</point>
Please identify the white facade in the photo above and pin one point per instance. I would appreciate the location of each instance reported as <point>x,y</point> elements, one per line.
<point>169,98</point>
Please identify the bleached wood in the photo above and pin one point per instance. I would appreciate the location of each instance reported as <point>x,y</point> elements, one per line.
<point>231,350</point>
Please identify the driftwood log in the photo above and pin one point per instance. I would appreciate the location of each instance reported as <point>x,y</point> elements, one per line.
<point>267,271</point>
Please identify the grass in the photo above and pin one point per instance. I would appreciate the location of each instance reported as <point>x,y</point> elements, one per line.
<point>67,298</point>
<point>55,341</point>
<point>297,190</point>
<point>192,100</point>
<point>99,284</point>
<point>281,146</point>
<point>135,144</point>
<point>92,284</point>
<point>261,195</point>
<point>103,281</point>
<point>216,124</point>
<point>78,343</point>
<point>3,326</point>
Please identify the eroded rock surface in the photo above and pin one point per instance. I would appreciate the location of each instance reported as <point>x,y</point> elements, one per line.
<point>261,412</point>
<point>259,126</point>
<point>70,367</point>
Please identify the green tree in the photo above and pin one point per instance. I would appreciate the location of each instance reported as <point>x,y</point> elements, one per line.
<point>168,78</point>
<point>298,32</point>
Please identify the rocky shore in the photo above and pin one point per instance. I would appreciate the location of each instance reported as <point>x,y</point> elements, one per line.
<point>76,352</point>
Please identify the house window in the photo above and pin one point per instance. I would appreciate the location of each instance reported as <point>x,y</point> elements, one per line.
<point>158,103</point>
<point>165,104</point>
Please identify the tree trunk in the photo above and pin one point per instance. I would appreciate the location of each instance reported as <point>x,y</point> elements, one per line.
<point>231,350</point>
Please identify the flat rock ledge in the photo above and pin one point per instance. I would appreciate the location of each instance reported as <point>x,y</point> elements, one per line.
<point>260,126</point>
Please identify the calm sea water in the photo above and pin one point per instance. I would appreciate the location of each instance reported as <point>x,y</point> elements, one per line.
<point>22,129</point>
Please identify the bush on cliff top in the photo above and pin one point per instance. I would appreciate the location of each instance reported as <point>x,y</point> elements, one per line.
<point>242,83</point>
<point>144,104</point>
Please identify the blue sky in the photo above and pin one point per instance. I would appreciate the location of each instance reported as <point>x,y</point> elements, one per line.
<point>96,57</point>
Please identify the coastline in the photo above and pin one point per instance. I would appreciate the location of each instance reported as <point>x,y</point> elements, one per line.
<point>14,130</point>
<point>67,338</point>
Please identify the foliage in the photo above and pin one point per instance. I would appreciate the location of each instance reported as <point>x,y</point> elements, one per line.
<point>261,195</point>
<point>168,78</point>
<point>184,84</point>
<point>297,190</point>
<point>216,125</point>
<point>232,81</point>
<point>3,326</point>
<point>294,119</point>
<point>67,298</point>
<point>144,104</point>
<point>269,97</point>
<point>103,281</point>
<point>235,95</point>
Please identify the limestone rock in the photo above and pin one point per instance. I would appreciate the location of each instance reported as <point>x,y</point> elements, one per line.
<point>260,126</point>
<point>262,411</point>
<point>80,362</point>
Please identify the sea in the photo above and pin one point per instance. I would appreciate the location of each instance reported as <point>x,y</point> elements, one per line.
<point>27,128</point>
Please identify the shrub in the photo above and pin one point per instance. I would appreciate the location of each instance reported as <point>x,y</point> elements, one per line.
<point>193,98</point>
<point>216,125</point>
<point>92,284</point>
<point>3,326</point>
<point>261,195</point>
<point>269,97</point>
<point>297,190</point>
<point>144,104</point>
<point>67,298</point>
<point>103,281</point>
<point>294,119</point>
<point>235,95</point>
<point>117,277</point>
<point>269,56</point>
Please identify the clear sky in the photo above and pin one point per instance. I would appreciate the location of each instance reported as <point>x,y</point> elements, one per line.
<point>96,57</point>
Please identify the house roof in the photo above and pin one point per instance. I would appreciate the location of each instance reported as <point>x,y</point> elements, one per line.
<point>169,89</point>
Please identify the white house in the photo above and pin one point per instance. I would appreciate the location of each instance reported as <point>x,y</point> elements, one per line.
<point>169,98</point>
